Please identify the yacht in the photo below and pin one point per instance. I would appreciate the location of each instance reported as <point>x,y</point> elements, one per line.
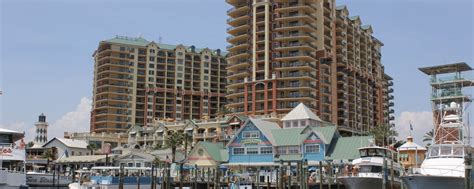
<point>444,165</point>
<point>368,170</point>
<point>12,159</point>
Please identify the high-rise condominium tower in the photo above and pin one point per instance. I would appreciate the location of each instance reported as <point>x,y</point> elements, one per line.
<point>136,81</point>
<point>283,52</point>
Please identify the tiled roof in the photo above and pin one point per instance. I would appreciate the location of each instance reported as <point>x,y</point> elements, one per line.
<point>300,112</point>
<point>346,148</point>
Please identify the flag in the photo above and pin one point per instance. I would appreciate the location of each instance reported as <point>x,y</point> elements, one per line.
<point>411,127</point>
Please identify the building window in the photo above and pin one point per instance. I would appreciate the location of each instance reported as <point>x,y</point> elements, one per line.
<point>252,150</point>
<point>287,124</point>
<point>238,151</point>
<point>266,150</point>
<point>281,150</point>
<point>251,134</point>
<point>313,148</point>
<point>293,150</point>
<point>302,123</point>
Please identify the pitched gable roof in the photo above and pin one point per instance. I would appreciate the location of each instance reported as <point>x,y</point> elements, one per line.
<point>265,127</point>
<point>300,112</point>
<point>71,143</point>
<point>215,150</point>
<point>324,133</point>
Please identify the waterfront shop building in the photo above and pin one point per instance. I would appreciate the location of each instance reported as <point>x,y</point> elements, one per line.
<point>304,137</point>
<point>411,154</point>
<point>207,154</point>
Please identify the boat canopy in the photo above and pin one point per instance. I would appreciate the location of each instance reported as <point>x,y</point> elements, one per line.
<point>446,150</point>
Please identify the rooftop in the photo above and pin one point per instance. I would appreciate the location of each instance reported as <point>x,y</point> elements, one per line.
<point>300,112</point>
<point>446,68</point>
<point>142,42</point>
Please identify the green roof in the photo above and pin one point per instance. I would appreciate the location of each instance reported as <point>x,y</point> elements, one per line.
<point>365,27</point>
<point>346,148</point>
<point>288,157</point>
<point>142,42</point>
<point>289,137</point>
<point>340,7</point>
<point>216,150</point>
<point>354,17</point>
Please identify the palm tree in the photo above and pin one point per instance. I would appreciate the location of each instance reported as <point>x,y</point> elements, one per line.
<point>156,161</point>
<point>188,138</point>
<point>428,137</point>
<point>175,139</point>
<point>49,156</point>
<point>383,134</point>
<point>223,110</point>
<point>92,148</point>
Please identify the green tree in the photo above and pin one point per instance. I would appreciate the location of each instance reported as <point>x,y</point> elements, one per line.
<point>157,161</point>
<point>223,110</point>
<point>174,140</point>
<point>187,138</point>
<point>92,148</point>
<point>428,137</point>
<point>30,144</point>
<point>383,134</point>
<point>49,156</point>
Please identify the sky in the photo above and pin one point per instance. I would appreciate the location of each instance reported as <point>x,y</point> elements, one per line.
<point>46,49</point>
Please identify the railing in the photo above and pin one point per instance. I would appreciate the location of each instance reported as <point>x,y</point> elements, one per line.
<point>447,79</point>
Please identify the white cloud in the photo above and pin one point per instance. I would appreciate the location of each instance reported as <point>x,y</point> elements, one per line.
<point>75,121</point>
<point>422,122</point>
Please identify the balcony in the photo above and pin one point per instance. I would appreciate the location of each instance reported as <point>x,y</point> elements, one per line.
<point>297,16</point>
<point>297,26</point>
<point>293,86</point>
<point>242,36</point>
<point>237,46</point>
<point>234,11</point>
<point>294,46</point>
<point>238,55</point>
<point>294,65</point>
<point>391,104</point>
<point>308,7</point>
<point>298,75</point>
<point>238,29</point>
<point>238,21</point>
<point>305,36</point>
<point>298,95</point>
<point>237,73</point>
<point>295,55</point>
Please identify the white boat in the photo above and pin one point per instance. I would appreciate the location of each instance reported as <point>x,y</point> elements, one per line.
<point>44,179</point>
<point>12,159</point>
<point>368,170</point>
<point>444,166</point>
<point>108,178</point>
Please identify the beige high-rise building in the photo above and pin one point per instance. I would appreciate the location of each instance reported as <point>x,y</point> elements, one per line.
<point>136,81</point>
<point>285,52</point>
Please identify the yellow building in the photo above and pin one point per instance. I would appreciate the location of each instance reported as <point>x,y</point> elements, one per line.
<point>411,154</point>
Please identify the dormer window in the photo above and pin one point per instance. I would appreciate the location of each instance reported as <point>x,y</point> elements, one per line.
<point>250,134</point>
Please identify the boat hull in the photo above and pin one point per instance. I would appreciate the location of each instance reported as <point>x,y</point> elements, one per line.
<point>433,182</point>
<point>365,183</point>
<point>40,179</point>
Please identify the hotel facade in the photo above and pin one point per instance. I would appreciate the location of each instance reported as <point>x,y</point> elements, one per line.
<point>136,81</point>
<point>282,53</point>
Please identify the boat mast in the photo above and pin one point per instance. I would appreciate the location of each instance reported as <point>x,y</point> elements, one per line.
<point>449,101</point>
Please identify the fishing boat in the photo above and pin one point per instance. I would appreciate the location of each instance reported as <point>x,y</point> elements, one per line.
<point>444,166</point>
<point>368,170</point>
<point>12,159</point>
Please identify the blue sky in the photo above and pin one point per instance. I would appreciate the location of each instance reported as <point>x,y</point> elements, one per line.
<point>46,48</point>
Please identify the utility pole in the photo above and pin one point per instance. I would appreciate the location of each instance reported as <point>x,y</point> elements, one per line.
<point>468,167</point>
